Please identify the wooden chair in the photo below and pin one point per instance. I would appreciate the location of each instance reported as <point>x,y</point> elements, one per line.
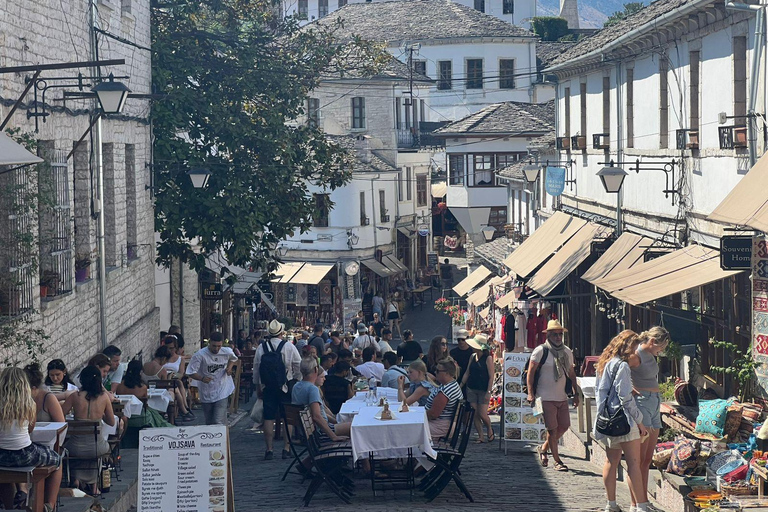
<point>33,477</point>
<point>89,429</point>
<point>114,440</point>
<point>246,375</point>
<point>234,398</point>
<point>173,407</point>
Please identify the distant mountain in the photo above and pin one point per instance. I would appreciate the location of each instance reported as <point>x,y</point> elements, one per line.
<point>592,13</point>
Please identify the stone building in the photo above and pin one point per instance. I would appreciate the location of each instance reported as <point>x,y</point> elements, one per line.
<point>62,296</point>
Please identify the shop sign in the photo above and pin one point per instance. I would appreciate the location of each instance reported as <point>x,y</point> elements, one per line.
<point>735,252</point>
<point>212,291</point>
<point>432,260</point>
<point>423,230</point>
<point>555,181</point>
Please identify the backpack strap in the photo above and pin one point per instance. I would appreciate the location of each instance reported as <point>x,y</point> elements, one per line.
<point>268,346</point>
<point>282,344</point>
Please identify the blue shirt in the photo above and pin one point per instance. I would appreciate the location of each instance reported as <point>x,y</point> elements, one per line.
<point>389,380</point>
<point>306,393</point>
<point>423,384</point>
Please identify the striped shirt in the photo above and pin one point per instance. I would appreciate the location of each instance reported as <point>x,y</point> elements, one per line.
<point>452,391</point>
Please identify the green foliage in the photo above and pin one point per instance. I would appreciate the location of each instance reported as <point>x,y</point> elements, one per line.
<point>742,366</point>
<point>287,322</point>
<point>21,342</point>
<point>667,390</point>
<point>549,28</point>
<point>234,74</point>
<point>669,434</point>
<point>629,9</point>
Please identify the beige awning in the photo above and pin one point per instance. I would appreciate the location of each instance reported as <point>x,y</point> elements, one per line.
<point>672,273</point>
<point>393,264</point>
<point>624,253</point>
<point>13,153</point>
<point>377,267</point>
<point>286,271</point>
<point>311,273</point>
<point>550,236</point>
<point>566,259</point>
<point>747,203</point>
<point>484,312</point>
<point>439,189</point>
<point>472,280</point>
<point>480,296</point>
<point>508,299</point>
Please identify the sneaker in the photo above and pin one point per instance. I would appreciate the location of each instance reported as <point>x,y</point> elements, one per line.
<point>609,508</point>
<point>268,455</point>
<point>286,454</point>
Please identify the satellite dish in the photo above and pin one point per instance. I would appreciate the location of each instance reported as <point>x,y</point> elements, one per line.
<point>351,268</point>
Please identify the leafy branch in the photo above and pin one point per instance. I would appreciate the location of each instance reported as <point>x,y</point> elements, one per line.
<point>742,367</point>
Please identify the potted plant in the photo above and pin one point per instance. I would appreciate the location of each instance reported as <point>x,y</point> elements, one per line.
<point>49,283</point>
<point>740,137</point>
<point>82,267</point>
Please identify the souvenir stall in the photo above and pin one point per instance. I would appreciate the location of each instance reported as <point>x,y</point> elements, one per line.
<point>304,293</point>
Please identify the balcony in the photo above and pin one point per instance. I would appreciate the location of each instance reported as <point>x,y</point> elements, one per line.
<point>687,139</point>
<point>601,141</point>
<point>411,138</point>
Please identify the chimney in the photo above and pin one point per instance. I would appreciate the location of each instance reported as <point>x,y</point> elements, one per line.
<point>569,9</point>
<point>363,148</point>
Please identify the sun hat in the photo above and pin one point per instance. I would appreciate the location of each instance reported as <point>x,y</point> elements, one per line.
<point>275,328</point>
<point>479,342</point>
<point>361,327</point>
<point>555,325</point>
<point>462,334</point>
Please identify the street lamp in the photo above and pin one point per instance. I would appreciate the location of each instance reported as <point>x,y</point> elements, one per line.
<point>199,177</point>
<point>488,232</point>
<point>111,95</point>
<point>612,178</point>
<point>531,172</point>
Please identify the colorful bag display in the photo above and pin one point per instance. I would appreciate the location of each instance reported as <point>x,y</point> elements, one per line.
<point>733,421</point>
<point>662,454</point>
<point>724,462</point>
<point>752,412</point>
<point>684,458</point>
<point>686,394</point>
<point>712,416</point>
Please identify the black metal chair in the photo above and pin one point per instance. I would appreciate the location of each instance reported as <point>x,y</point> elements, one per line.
<point>292,418</point>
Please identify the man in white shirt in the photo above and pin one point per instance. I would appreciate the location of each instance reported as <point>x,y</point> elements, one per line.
<point>370,368</point>
<point>212,368</point>
<point>116,368</point>
<point>272,388</point>
<point>363,339</point>
<point>386,337</point>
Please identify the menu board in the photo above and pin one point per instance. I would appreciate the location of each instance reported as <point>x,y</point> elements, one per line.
<point>184,469</point>
<point>519,422</point>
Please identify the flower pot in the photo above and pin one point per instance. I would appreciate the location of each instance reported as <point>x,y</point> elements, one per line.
<point>43,291</point>
<point>740,137</point>
<point>82,274</point>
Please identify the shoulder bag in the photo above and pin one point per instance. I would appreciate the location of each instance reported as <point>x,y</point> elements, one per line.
<point>615,424</point>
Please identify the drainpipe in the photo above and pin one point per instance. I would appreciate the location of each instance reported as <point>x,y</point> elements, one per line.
<point>99,157</point>
<point>181,296</point>
<point>619,145</point>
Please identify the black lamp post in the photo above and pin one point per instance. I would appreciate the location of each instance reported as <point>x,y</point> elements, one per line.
<point>111,95</point>
<point>612,178</point>
<point>199,177</point>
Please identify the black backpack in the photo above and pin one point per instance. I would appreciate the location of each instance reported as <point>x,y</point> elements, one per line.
<point>568,383</point>
<point>272,372</point>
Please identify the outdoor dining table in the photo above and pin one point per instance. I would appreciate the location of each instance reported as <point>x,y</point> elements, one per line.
<point>584,410</point>
<point>131,405</point>
<point>390,438</point>
<point>389,393</point>
<point>49,433</point>
<point>159,399</point>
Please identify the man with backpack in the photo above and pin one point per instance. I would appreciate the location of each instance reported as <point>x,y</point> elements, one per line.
<point>276,364</point>
<point>549,369</point>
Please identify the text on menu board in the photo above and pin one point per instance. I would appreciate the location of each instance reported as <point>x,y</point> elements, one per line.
<point>519,422</point>
<point>183,469</point>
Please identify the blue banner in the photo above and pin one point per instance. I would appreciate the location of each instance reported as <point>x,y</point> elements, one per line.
<point>555,182</point>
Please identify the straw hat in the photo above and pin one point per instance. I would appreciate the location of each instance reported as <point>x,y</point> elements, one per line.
<point>479,342</point>
<point>275,328</point>
<point>462,334</point>
<point>556,326</point>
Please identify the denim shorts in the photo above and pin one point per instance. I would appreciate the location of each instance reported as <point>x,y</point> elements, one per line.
<point>649,404</point>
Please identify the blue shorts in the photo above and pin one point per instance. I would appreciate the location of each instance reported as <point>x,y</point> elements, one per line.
<point>649,404</point>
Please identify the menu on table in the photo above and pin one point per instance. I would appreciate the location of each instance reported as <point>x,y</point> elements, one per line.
<point>184,469</point>
<point>519,422</point>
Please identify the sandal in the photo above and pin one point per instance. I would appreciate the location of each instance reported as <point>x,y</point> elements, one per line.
<point>480,441</point>
<point>542,457</point>
<point>492,437</point>
<point>559,466</point>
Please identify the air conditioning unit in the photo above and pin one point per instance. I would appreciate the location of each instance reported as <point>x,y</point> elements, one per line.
<point>385,218</point>
<point>563,143</point>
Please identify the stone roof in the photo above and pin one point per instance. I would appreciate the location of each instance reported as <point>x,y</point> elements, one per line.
<point>415,20</point>
<point>509,117</point>
<point>393,70</point>
<point>607,35</point>
<point>548,51</point>
<point>349,142</point>
<point>494,252</point>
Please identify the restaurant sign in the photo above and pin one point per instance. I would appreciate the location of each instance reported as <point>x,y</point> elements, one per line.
<point>735,252</point>
<point>212,291</point>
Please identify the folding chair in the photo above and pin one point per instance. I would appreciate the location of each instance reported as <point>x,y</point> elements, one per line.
<point>87,429</point>
<point>448,461</point>
<point>446,445</point>
<point>328,459</point>
<point>116,439</point>
<point>292,418</point>
<point>173,407</point>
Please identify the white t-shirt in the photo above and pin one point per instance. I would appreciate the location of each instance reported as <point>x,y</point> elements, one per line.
<point>15,437</point>
<point>363,341</point>
<point>213,365</point>
<point>371,369</point>
<point>549,389</point>
<point>385,347</point>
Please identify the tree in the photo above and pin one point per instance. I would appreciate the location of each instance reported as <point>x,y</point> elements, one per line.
<point>233,75</point>
<point>549,28</point>
<point>629,9</point>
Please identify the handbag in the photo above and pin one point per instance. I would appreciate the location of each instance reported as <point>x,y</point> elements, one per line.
<point>257,412</point>
<point>615,424</point>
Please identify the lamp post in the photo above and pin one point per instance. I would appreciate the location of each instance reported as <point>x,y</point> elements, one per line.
<point>488,232</point>
<point>199,177</point>
<point>111,95</point>
<point>613,178</point>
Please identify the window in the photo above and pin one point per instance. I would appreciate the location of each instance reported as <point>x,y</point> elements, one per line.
<point>313,112</point>
<point>474,73</point>
<point>322,8</point>
<point>508,6</point>
<point>408,186</point>
<point>498,218</point>
<point>506,74</point>
<point>400,184</point>
<point>606,104</point>
<point>483,170</point>
<point>398,114</point>
<point>420,66</point>
<point>422,110</point>
<point>693,91</point>
<point>16,252</point>
<point>131,196</point>
<point>739,79</point>
<point>421,190</point>
<point>506,159</point>
<point>583,108</point>
<point>480,5</point>
<point>322,208</point>
<point>111,201</point>
<point>444,75</point>
<point>363,216</point>
<point>567,100</point>
<point>383,206</point>
<point>342,3</point>
<point>303,9</point>
<point>358,113</point>
<point>663,102</point>
<point>456,169</point>
<point>630,108</point>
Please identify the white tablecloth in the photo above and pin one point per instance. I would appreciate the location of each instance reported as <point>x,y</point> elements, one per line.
<point>390,438</point>
<point>390,393</point>
<point>159,399</point>
<point>131,405</point>
<point>45,433</point>
<point>587,385</point>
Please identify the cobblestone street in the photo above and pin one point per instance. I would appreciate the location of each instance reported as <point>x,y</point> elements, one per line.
<point>498,482</point>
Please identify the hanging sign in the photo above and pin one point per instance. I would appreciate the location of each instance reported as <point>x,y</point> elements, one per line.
<point>735,252</point>
<point>555,181</point>
<point>212,291</point>
<point>423,230</point>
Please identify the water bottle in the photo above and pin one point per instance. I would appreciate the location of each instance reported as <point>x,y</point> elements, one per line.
<point>372,387</point>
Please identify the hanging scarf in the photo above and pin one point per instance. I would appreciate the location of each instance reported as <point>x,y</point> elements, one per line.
<point>561,358</point>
